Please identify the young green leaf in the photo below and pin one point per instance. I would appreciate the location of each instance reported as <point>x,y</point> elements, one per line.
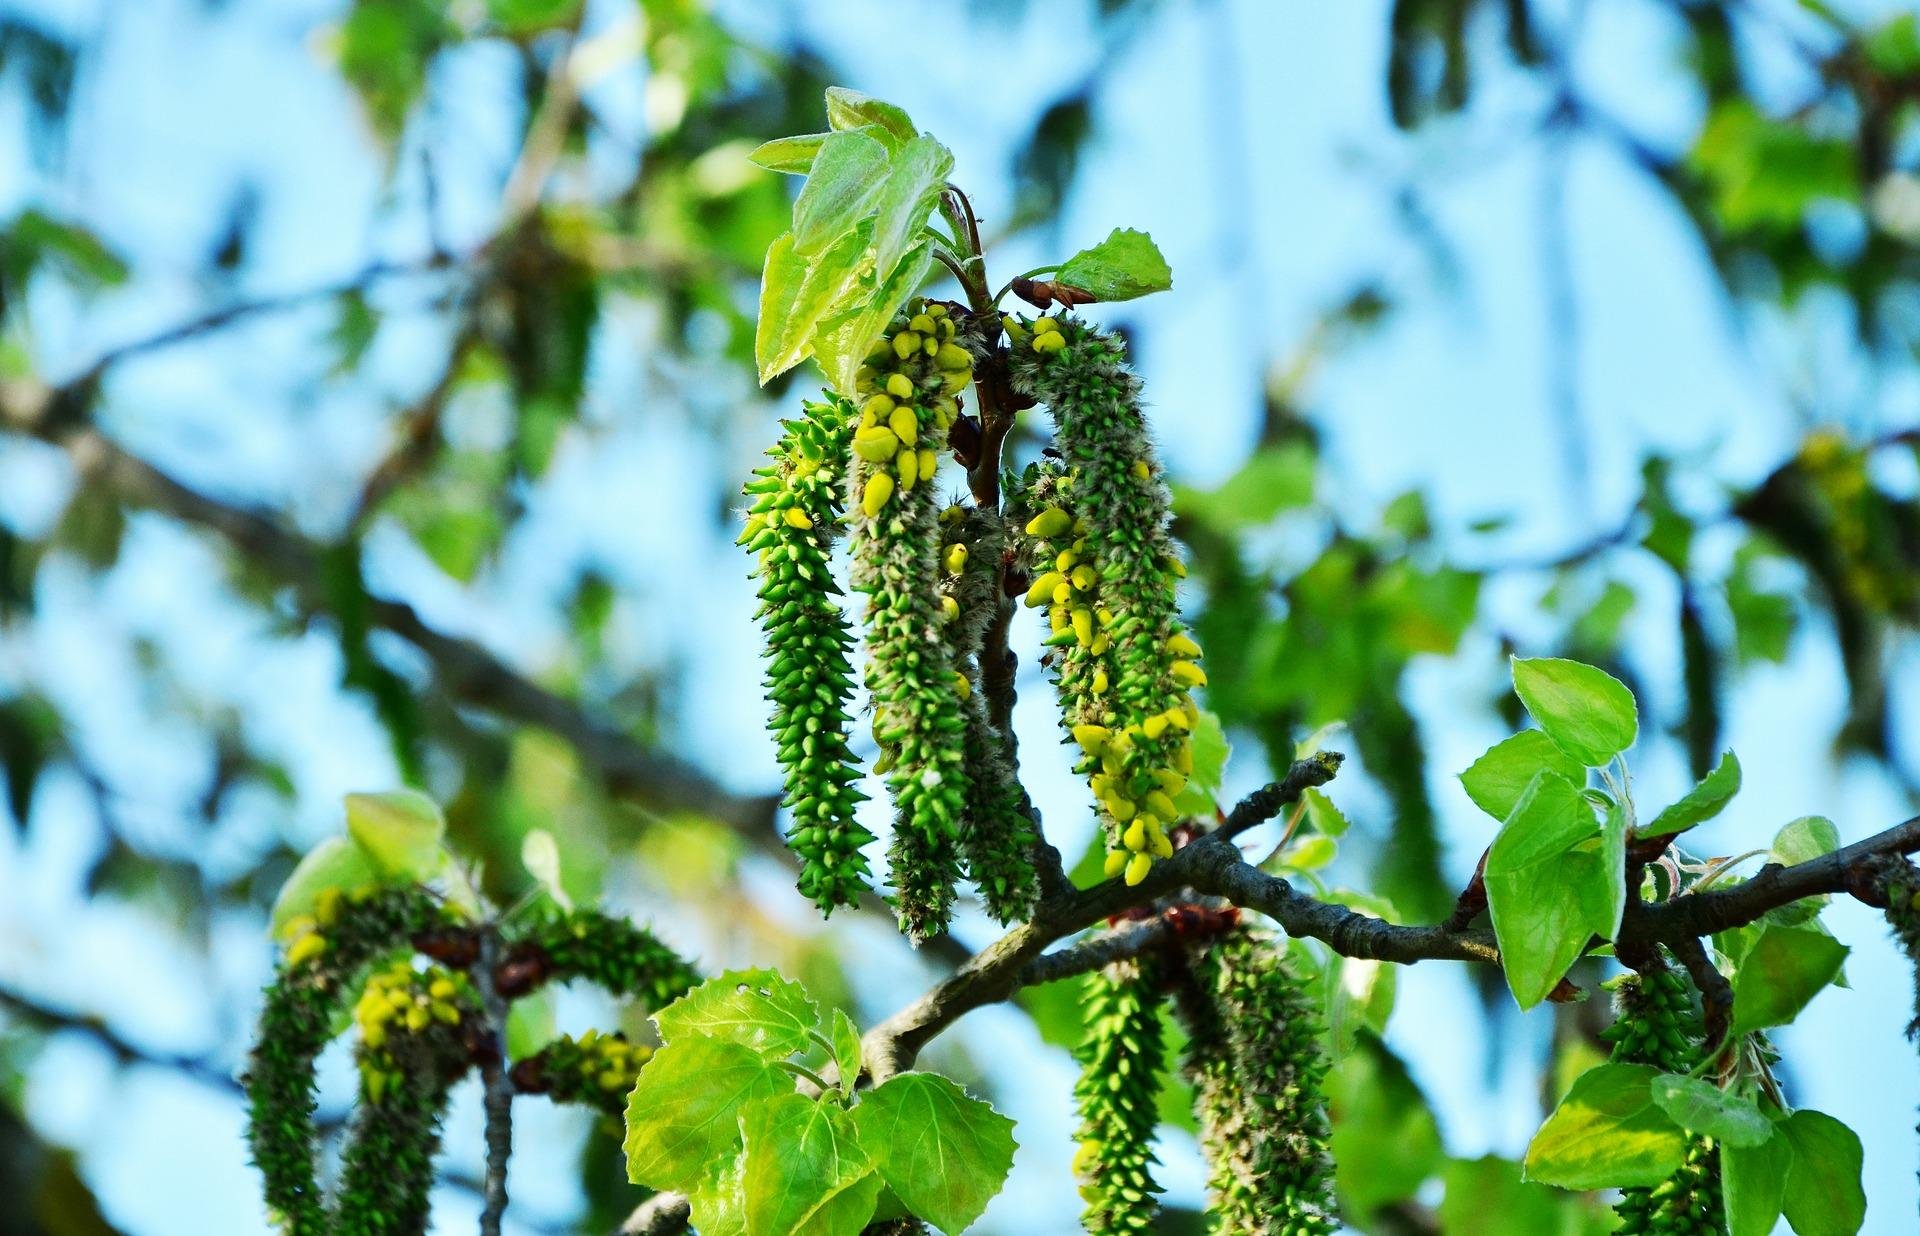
<point>682,1116</point>
<point>1805,839</point>
<point>1124,266</point>
<point>845,1037</point>
<point>1323,817</point>
<point>791,155</point>
<point>1780,972</point>
<point>1487,1197</point>
<point>1607,1133</point>
<point>1553,881</point>
<point>798,295</point>
<point>1823,1195</point>
<point>849,109</point>
<point>944,1153</point>
<point>913,184</point>
<point>1587,712</point>
<point>806,1174</point>
<point>1753,1182</point>
<point>1702,802</point>
<point>757,1009</point>
<point>540,855</point>
<point>1494,781</point>
<point>336,863</point>
<point>1699,1105</point>
<point>842,342</point>
<point>842,189</point>
<point>400,832</point>
<point>718,1204</point>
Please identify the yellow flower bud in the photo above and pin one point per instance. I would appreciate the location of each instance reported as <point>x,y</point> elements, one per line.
<point>1083,625</point>
<point>953,358</point>
<point>1119,807</point>
<point>956,559</point>
<point>374,1034</point>
<point>1188,673</point>
<point>900,386</point>
<point>418,1019</point>
<point>1169,781</point>
<point>873,499</point>
<point>1162,806</point>
<point>1049,523</point>
<point>1183,759</point>
<point>905,425</point>
<point>1116,863</point>
<point>306,948</point>
<point>905,344</point>
<point>1180,645</point>
<point>1092,738</point>
<point>1049,343</point>
<point>1179,718</point>
<point>907,464</point>
<point>879,407</point>
<point>797,518</point>
<point>1139,864</point>
<point>922,323</point>
<point>929,460</point>
<point>1135,836</point>
<point>930,345</point>
<point>1046,326</point>
<point>442,989</point>
<point>1099,683</point>
<point>876,445</point>
<point>1042,590</point>
<point>1178,567</point>
<point>1158,845</point>
<point>1083,577</point>
<point>1063,592</point>
<point>1141,470</point>
<point>949,607</point>
<point>326,907</point>
<point>1101,643</point>
<point>445,1013</point>
<point>1154,726</point>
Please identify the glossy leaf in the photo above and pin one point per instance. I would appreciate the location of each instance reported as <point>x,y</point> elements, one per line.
<point>1607,1133</point>
<point>400,831</point>
<point>1587,712</point>
<point>757,1009</point>
<point>805,1172</point>
<point>849,109</point>
<point>1702,802</point>
<point>791,155</point>
<point>1496,780</point>
<point>1124,266</point>
<point>843,188</point>
<point>1699,1105</point>
<point>336,863</point>
<point>682,1117</point>
<point>1553,881</point>
<point>1805,839</point>
<point>1823,1196</point>
<point>1753,1183</point>
<point>943,1152</point>
<point>1781,970</point>
<point>913,183</point>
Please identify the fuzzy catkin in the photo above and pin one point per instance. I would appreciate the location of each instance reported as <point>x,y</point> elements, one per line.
<point>322,968</point>
<point>909,387</point>
<point>412,1049</point>
<point>1256,1065</point>
<point>1112,587</point>
<point>796,503</point>
<point>1117,1095</point>
<point>619,957</point>
<point>997,835</point>
<point>1655,1023</point>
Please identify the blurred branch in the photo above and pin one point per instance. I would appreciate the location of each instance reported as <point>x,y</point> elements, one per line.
<point>47,1019</point>
<point>420,430</point>
<point>663,1214</point>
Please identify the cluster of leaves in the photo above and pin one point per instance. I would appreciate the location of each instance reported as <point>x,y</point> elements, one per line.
<point>715,1116</point>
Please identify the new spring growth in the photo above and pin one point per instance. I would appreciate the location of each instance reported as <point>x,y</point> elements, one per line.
<point>399,1001</point>
<point>809,681</point>
<point>1656,1024</point>
<point>909,390</point>
<point>1106,573</point>
<point>596,1070</point>
<point>1117,1095</point>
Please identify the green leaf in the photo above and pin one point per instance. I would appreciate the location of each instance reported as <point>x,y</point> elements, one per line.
<point>792,155</point>
<point>1702,802</point>
<point>1783,969</point>
<point>806,1174</point>
<point>540,855</point>
<point>1323,817</point>
<point>1385,1142</point>
<point>1823,1196</point>
<point>718,1204</point>
<point>913,183</point>
<point>1554,879</point>
<point>1487,1197</point>
<point>1587,712</point>
<point>845,1037</point>
<point>1805,839</point>
<point>797,295</point>
<point>530,1024</point>
<point>1607,1133</point>
<point>1496,780</point>
<point>335,863</point>
<point>523,17</point>
<point>1126,265</point>
<point>842,342</point>
<point>849,109</point>
<point>757,1009</point>
<point>400,831</point>
<point>1753,1182</point>
<point>682,1116</point>
<point>944,1153</point>
<point>1699,1105</point>
<point>1277,478</point>
<point>841,190</point>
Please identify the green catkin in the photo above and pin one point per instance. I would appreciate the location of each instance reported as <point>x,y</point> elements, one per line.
<point>997,836</point>
<point>411,1051</point>
<point>1901,882</point>
<point>595,1070</point>
<point>1254,1058</point>
<point>1113,586</point>
<point>615,955</point>
<point>323,965</point>
<point>1655,1023</point>
<point>1117,1096</point>
<point>909,390</point>
<point>796,504</point>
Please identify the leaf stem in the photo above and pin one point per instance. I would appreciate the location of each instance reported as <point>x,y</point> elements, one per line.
<point>802,1071</point>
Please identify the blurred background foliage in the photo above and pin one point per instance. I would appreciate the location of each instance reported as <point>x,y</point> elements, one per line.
<point>377,383</point>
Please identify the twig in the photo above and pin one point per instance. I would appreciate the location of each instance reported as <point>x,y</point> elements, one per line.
<point>498,1087</point>
<point>1716,994</point>
<point>1270,799</point>
<point>663,1214</point>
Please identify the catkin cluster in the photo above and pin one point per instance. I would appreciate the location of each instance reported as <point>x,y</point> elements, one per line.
<point>909,388</point>
<point>1107,575</point>
<point>1117,1096</point>
<point>595,1070</point>
<point>329,953</point>
<point>411,1051</point>
<point>1655,1023</point>
<point>796,505</point>
<point>1254,1059</point>
<point>615,955</point>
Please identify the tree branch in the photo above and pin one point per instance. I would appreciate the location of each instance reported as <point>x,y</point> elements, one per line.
<point>663,1214</point>
<point>497,1093</point>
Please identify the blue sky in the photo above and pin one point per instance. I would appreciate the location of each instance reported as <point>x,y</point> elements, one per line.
<point>1250,138</point>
